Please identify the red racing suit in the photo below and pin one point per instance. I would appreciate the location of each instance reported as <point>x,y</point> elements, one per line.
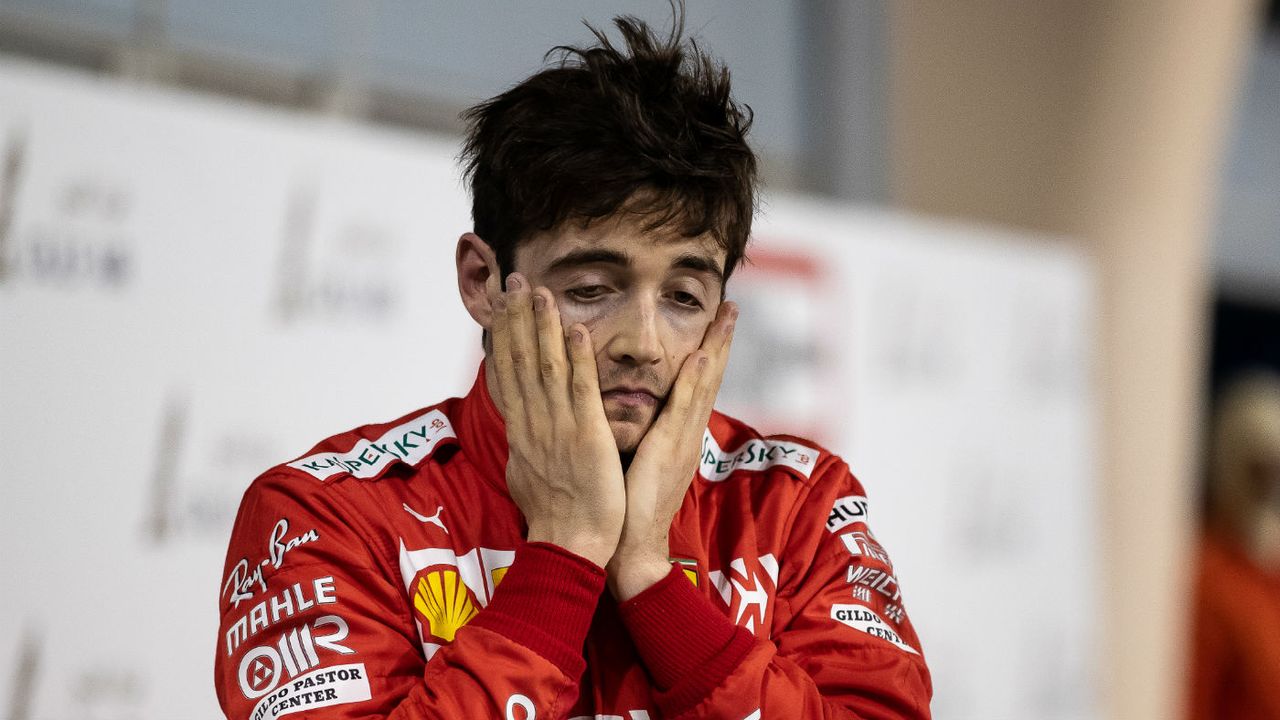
<point>385,575</point>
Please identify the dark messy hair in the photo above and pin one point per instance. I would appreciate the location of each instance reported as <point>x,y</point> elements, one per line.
<point>650,130</point>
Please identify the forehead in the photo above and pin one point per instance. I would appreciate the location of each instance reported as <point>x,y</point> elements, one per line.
<point>645,249</point>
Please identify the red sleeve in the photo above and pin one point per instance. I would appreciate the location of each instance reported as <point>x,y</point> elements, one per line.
<point>841,646</point>
<point>1210,656</point>
<point>314,623</point>
<point>1235,665</point>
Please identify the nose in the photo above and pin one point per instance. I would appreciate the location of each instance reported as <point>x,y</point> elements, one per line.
<point>636,340</point>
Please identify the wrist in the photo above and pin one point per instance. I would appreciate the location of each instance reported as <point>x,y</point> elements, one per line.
<point>630,574</point>
<point>592,547</point>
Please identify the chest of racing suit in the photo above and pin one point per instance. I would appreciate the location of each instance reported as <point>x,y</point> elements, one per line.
<point>385,574</point>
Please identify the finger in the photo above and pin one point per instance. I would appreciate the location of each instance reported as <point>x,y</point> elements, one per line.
<point>507,389</point>
<point>524,345</point>
<point>553,363</point>
<point>585,384</point>
<point>720,333</point>
<point>709,380</point>
<point>694,394</point>
<point>680,401</point>
<point>715,344</point>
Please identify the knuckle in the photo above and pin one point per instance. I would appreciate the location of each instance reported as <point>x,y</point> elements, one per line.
<point>550,367</point>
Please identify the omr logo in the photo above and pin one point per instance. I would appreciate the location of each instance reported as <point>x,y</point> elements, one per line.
<point>445,602</point>
<point>296,652</point>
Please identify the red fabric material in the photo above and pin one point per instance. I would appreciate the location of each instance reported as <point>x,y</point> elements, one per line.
<point>1235,663</point>
<point>546,603</point>
<point>693,662</point>
<point>690,657</point>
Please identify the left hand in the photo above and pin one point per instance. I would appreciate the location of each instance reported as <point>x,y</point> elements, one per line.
<point>665,461</point>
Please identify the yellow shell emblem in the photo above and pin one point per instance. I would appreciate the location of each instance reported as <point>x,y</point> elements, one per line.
<point>444,601</point>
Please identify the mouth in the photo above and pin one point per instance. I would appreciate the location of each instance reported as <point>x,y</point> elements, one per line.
<point>634,397</point>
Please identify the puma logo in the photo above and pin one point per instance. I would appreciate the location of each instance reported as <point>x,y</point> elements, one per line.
<point>434,519</point>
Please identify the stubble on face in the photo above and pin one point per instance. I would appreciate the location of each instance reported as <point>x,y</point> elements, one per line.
<point>631,424</point>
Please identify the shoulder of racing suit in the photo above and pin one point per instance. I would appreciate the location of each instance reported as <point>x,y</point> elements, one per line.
<point>731,449</point>
<point>370,451</point>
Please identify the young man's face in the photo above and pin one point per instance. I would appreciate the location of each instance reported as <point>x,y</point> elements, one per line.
<point>647,298</point>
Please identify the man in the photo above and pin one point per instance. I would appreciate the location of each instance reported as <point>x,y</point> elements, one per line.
<point>1235,662</point>
<point>581,536</point>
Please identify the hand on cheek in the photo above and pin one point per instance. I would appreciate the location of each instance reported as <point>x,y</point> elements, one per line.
<point>563,470</point>
<point>666,459</point>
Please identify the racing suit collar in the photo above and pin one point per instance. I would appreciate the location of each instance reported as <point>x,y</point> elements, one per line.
<point>483,434</point>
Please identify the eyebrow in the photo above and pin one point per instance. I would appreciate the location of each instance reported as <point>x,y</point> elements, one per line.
<point>595,256</point>
<point>699,263</point>
<point>589,257</point>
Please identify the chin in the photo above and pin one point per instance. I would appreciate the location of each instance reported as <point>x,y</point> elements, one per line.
<point>628,434</point>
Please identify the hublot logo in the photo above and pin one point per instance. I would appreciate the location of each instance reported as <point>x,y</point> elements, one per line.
<point>335,270</point>
<point>11,165</point>
<point>78,235</point>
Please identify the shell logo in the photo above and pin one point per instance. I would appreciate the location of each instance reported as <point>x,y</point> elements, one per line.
<point>447,588</point>
<point>445,602</point>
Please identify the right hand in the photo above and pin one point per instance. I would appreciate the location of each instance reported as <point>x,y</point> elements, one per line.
<point>563,469</point>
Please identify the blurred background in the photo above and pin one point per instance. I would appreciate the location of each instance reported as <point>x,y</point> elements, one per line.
<point>1009,254</point>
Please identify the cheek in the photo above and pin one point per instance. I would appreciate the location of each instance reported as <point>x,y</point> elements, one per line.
<point>571,312</point>
<point>684,335</point>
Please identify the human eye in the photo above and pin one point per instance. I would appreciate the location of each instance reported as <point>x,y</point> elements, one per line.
<point>686,299</point>
<point>586,293</point>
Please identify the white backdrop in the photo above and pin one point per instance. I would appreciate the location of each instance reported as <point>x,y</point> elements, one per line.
<point>192,290</point>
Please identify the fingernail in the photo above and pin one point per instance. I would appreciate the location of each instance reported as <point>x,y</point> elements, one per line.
<point>579,336</point>
<point>539,302</point>
<point>513,281</point>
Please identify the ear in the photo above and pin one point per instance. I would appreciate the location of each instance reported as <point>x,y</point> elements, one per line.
<point>476,262</point>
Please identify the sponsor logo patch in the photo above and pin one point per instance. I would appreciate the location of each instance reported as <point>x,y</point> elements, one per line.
<point>287,603</point>
<point>861,544</point>
<point>894,612</point>
<point>432,520</point>
<point>861,618</point>
<point>297,651</point>
<point>445,602</point>
<point>688,567</point>
<point>882,582</point>
<point>747,593</point>
<point>448,589</point>
<point>335,685</point>
<point>409,442</point>
<point>245,579</point>
<point>756,454</point>
<point>847,511</point>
